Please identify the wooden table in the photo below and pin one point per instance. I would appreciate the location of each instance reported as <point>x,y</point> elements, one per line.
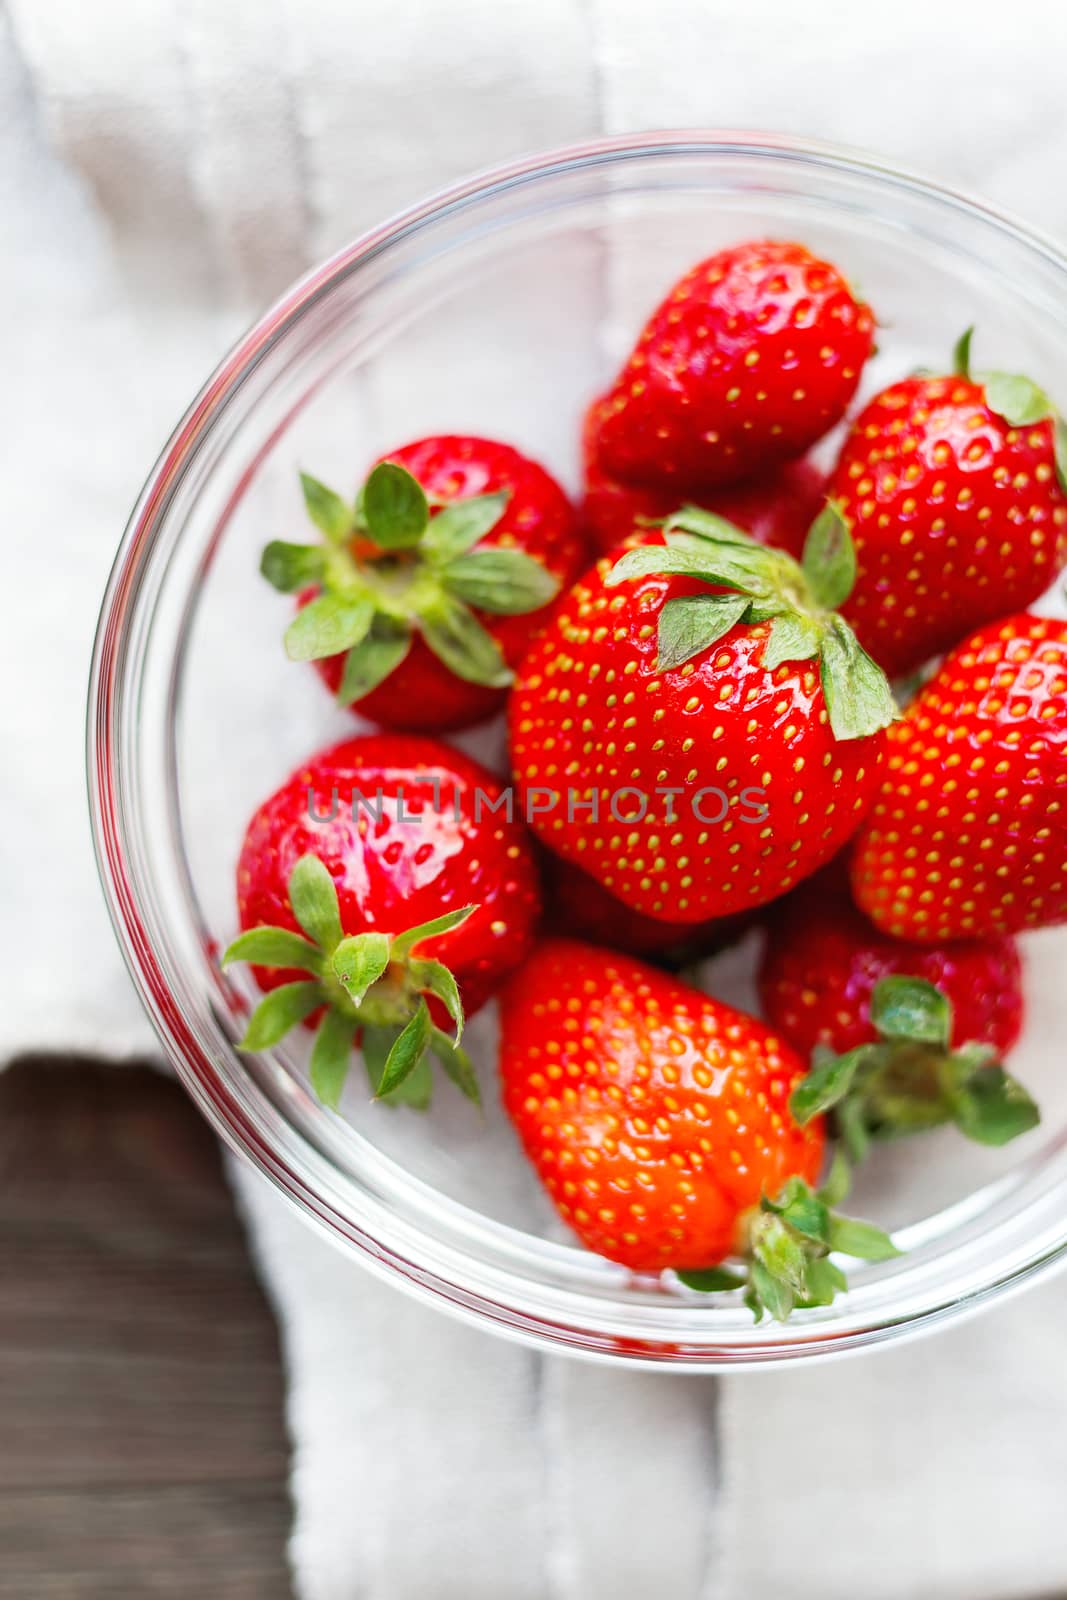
<point>142,1444</point>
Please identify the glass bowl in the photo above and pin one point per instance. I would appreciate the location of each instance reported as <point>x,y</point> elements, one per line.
<point>498,307</point>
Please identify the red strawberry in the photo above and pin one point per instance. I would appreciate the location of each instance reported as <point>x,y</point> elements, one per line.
<point>385,852</point>
<point>751,358</point>
<point>658,1120</point>
<point>953,490</point>
<point>426,591</point>
<point>777,509</point>
<point>704,696</point>
<point>967,838</point>
<point>823,959</point>
<point>582,908</point>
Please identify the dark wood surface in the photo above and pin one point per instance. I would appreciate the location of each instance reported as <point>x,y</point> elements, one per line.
<point>142,1444</point>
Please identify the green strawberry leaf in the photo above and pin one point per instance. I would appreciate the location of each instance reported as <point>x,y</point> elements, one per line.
<point>330,514</point>
<point>371,661</point>
<point>712,1280</point>
<point>776,1246</point>
<point>693,623</point>
<point>707,525</point>
<point>993,1107</point>
<point>279,1011</point>
<point>330,624</point>
<point>748,568</point>
<point>274,947</point>
<point>433,977</point>
<point>331,1055</point>
<point>291,567</point>
<point>416,1090</point>
<point>770,1293</point>
<point>829,560</point>
<point>430,930</point>
<point>851,1237</point>
<point>804,1210</point>
<point>375,1044</point>
<point>1017,399</point>
<point>408,1050</point>
<point>313,898</point>
<point>458,639</point>
<point>911,1008</point>
<point>507,582</point>
<point>961,355</point>
<point>857,693</point>
<point>457,1064</point>
<point>829,1081</point>
<point>824,1282</point>
<point>459,526</point>
<point>687,558</point>
<point>359,961</point>
<point>793,638</point>
<point>394,507</point>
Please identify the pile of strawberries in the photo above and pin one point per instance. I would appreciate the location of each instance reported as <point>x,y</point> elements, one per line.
<point>695,670</point>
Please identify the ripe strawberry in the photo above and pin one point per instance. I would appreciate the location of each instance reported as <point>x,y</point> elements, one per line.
<point>657,1119</point>
<point>426,592</point>
<point>696,728</point>
<point>968,835</point>
<point>581,908</point>
<point>752,357</point>
<point>385,852</point>
<point>822,961</point>
<point>776,509</point>
<point>953,488</point>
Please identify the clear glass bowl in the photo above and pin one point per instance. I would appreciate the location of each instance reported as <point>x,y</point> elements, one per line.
<point>498,307</point>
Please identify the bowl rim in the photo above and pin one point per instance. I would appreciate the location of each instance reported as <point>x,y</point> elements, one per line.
<point>470,1299</point>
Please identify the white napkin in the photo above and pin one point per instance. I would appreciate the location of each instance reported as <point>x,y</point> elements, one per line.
<point>164,170</point>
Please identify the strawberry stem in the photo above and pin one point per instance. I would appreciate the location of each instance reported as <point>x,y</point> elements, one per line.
<point>758,584</point>
<point>790,1241</point>
<point>911,1078</point>
<point>372,989</point>
<point>388,569</point>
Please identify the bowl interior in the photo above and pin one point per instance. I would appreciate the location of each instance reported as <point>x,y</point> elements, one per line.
<point>502,313</point>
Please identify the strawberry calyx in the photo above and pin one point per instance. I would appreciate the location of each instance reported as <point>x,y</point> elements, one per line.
<point>391,565</point>
<point>372,989</point>
<point>1017,399</point>
<point>911,1078</point>
<point>758,584</point>
<point>790,1240</point>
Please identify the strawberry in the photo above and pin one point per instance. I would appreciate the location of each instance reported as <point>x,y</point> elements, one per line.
<point>427,590</point>
<point>378,861</point>
<point>658,1120</point>
<point>776,509</point>
<point>967,839</point>
<point>822,961</point>
<point>953,488</point>
<point>753,356</point>
<point>697,728</point>
<point>577,905</point>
